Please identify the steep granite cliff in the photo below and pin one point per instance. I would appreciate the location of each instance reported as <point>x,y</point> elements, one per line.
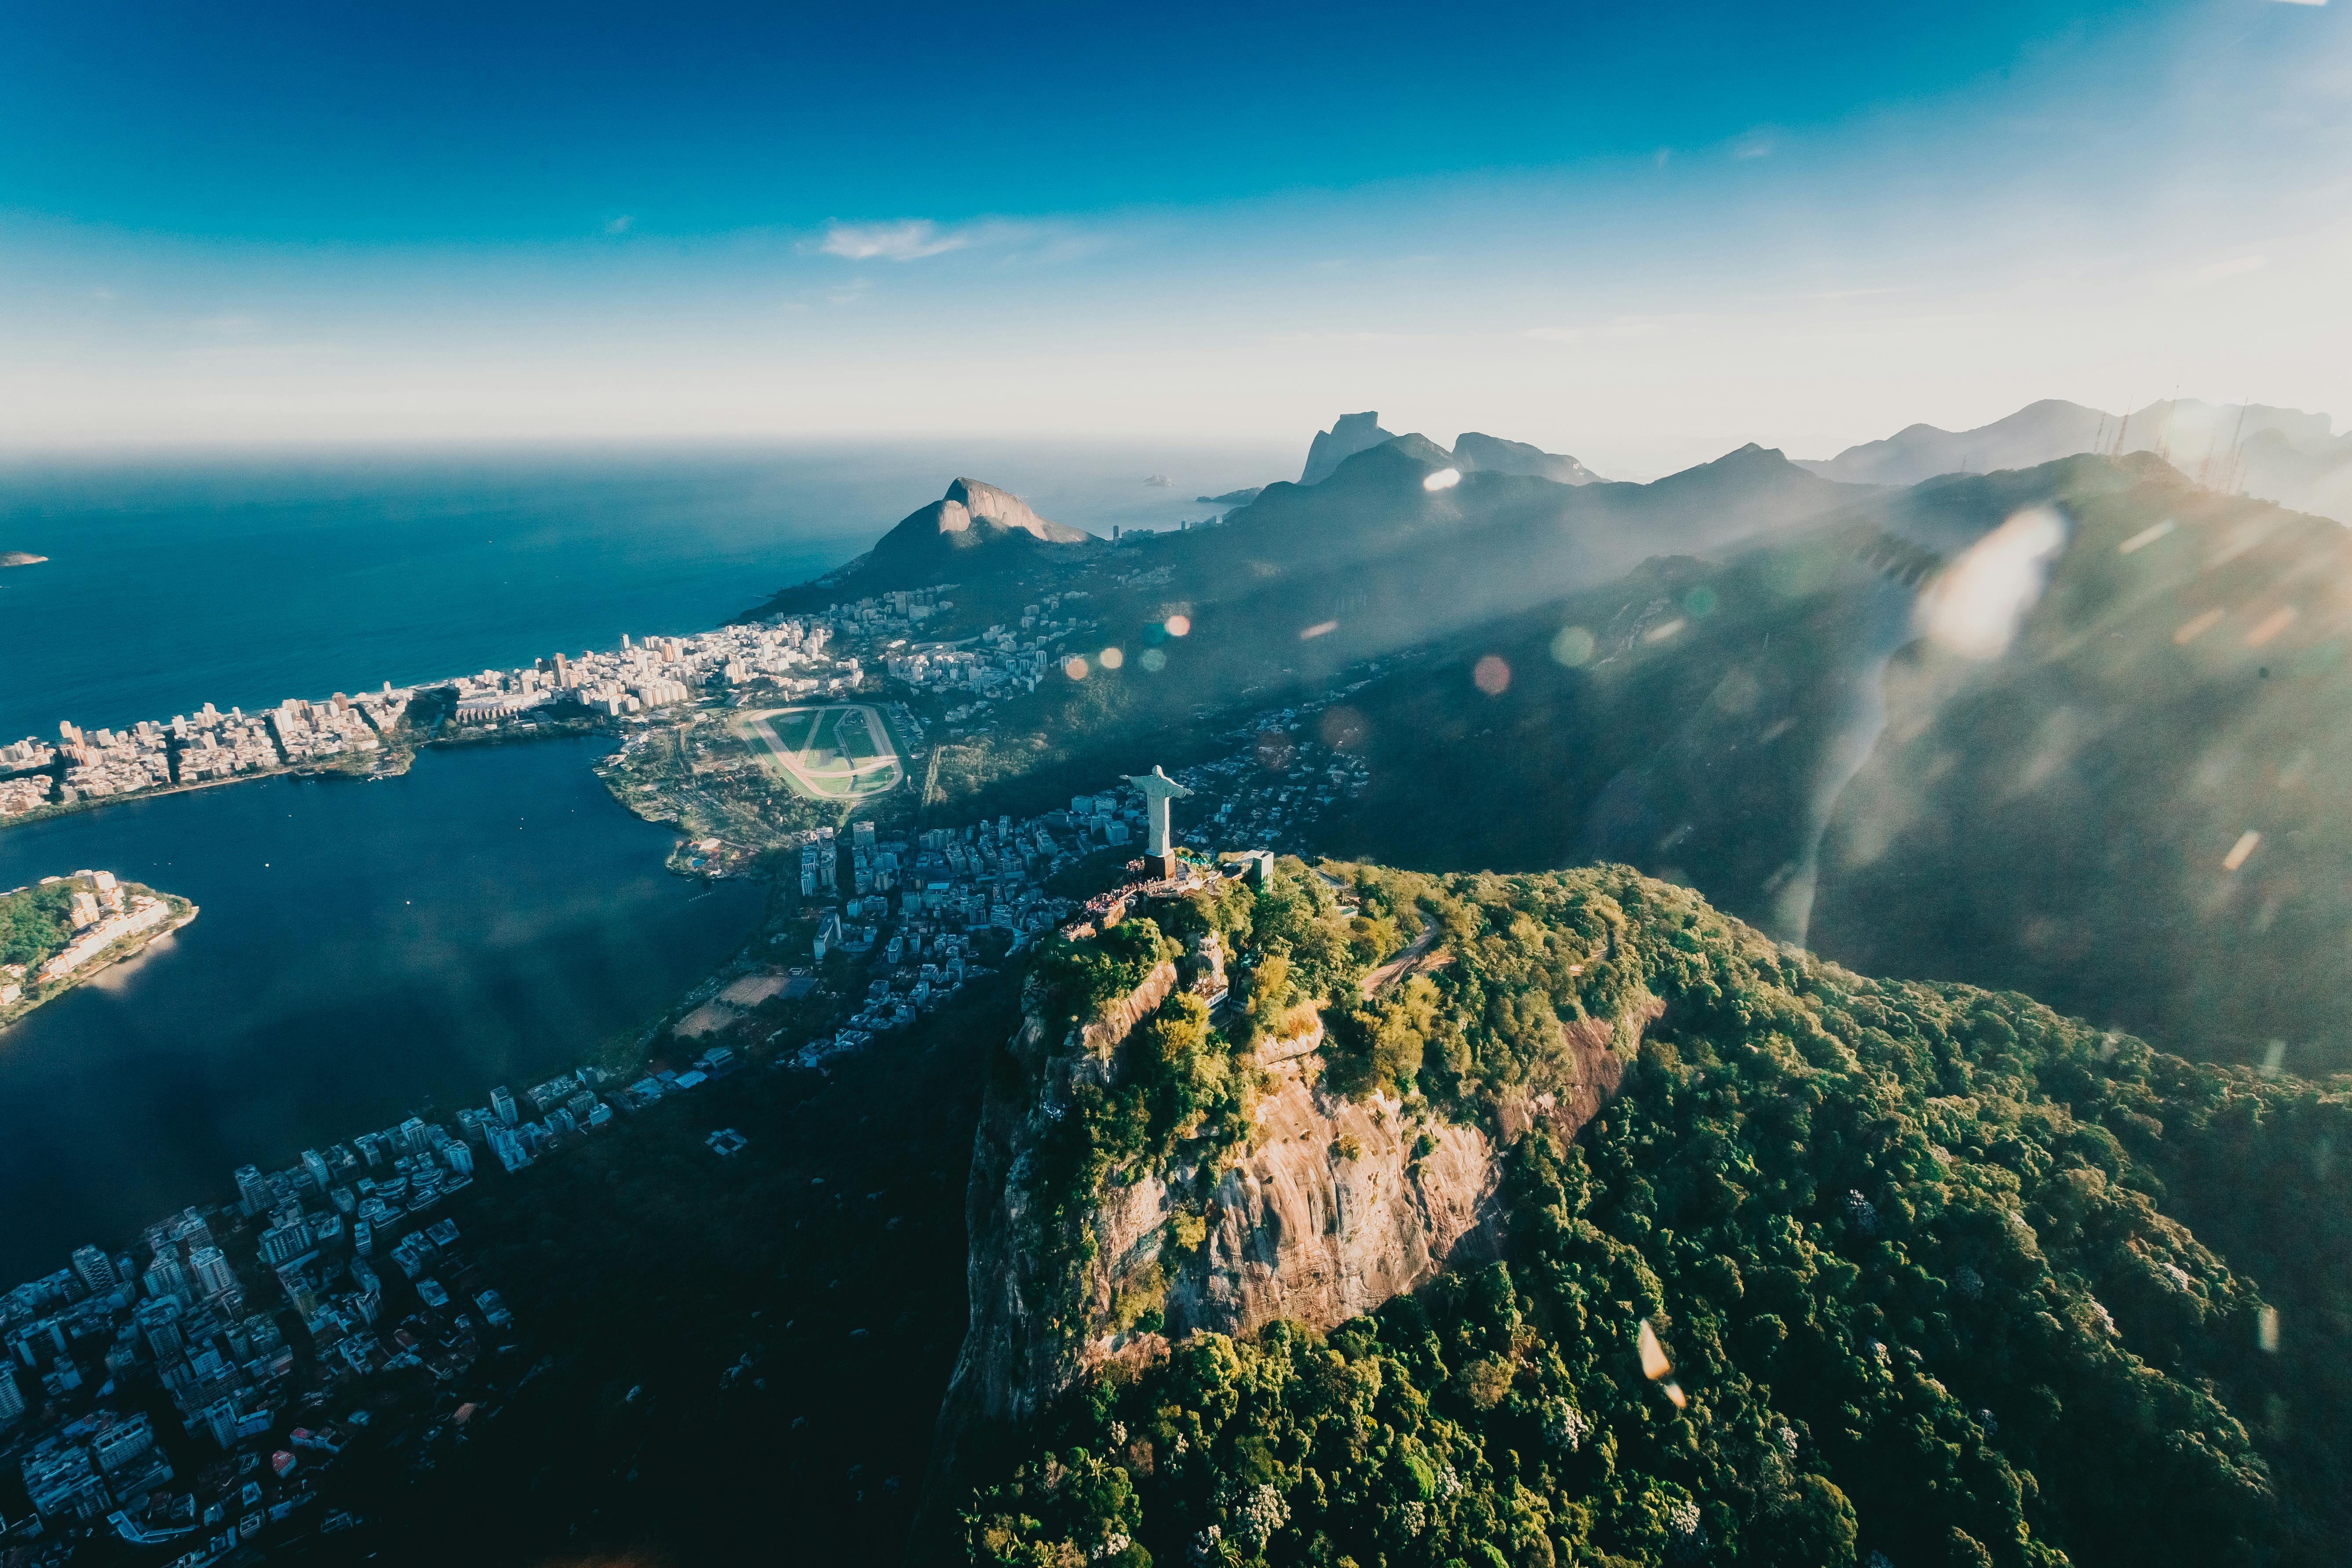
<point>1326,1206</point>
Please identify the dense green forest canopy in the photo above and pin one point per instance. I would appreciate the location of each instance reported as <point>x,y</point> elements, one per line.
<point>36,921</point>
<point>1942,1276</point>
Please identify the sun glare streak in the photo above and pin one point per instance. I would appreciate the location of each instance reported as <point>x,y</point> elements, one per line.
<point>1654,1364</point>
<point>2196,627</point>
<point>2248,842</point>
<point>1657,1368</point>
<point>2273,624</point>
<point>2144,537</point>
<point>1320,628</point>
<point>1444,479</point>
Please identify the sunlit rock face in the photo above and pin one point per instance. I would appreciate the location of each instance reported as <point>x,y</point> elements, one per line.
<point>972,522</point>
<point>1333,1206</point>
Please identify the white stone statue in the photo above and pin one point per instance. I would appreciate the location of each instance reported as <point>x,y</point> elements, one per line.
<point>1158,790</point>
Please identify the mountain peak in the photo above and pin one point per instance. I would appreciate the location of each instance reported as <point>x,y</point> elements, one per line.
<point>1492,454</point>
<point>1350,434</point>
<point>969,498</point>
<point>973,518</point>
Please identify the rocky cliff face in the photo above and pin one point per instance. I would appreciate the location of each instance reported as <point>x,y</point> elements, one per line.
<point>1350,434</point>
<point>1332,1208</point>
<point>972,517</point>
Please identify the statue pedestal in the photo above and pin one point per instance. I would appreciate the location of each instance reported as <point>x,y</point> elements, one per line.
<point>1162,867</point>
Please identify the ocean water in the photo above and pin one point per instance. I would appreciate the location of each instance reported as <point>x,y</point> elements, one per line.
<point>361,950</point>
<point>241,581</point>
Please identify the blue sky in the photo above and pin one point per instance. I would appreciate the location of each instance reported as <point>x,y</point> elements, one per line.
<point>1634,233</point>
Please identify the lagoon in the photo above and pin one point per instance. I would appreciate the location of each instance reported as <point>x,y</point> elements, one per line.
<point>364,950</point>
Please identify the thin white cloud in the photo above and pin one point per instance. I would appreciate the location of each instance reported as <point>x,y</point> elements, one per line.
<point>621,225</point>
<point>909,240</point>
<point>1755,144</point>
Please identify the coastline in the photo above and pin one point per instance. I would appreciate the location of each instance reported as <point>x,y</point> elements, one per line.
<point>184,913</point>
<point>390,763</point>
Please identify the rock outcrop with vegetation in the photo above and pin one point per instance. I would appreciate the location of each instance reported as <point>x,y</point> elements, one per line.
<point>1142,1176</point>
<point>1844,1270</point>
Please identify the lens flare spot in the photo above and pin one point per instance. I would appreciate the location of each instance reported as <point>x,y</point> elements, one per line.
<point>2144,537</point>
<point>1574,647</point>
<point>1444,479</point>
<point>1700,601</point>
<point>1491,676</point>
<point>1975,607</point>
<point>1342,729</point>
<point>2266,1332</point>
<point>1320,628</point>
<point>1074,667</point>
<point>1664,630</point>
<point>1152,659</point>
<point>2248,842</point>
<point>1110,659</point>
<point>1179,626</point>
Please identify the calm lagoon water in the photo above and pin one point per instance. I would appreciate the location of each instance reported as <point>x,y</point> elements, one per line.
<point>362,950</point>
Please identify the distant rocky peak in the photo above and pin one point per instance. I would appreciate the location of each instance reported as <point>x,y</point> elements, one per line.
<point>967,499</point>
<point>1350,434</point>
<point>1494,455</point>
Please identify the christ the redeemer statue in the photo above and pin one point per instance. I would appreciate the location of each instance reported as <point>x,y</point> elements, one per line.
<point>1158,790</point>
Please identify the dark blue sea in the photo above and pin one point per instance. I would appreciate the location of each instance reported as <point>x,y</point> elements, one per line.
<point>366,949</point>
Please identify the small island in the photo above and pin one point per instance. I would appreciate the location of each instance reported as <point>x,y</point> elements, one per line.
<point>63,930</point>
<point>20,558</point>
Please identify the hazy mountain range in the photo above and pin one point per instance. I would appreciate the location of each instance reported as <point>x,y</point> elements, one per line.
<point>1952,727</point>
<point>2277,453</point>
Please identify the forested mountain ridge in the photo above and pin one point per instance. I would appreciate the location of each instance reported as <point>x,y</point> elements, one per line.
<point>1914,1263</point>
